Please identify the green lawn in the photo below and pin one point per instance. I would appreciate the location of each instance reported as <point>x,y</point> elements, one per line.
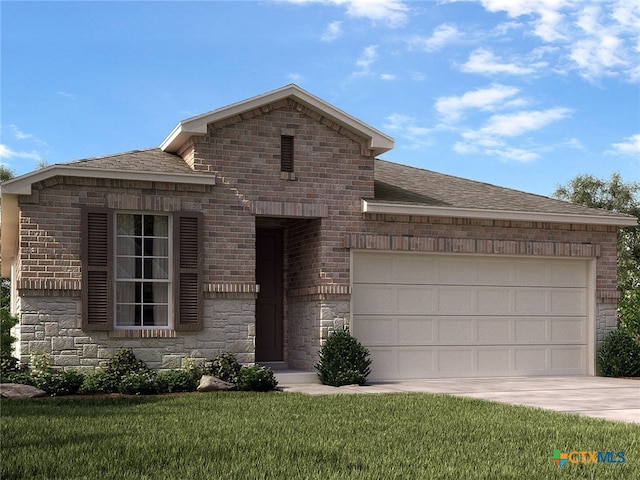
<point>256,435</point>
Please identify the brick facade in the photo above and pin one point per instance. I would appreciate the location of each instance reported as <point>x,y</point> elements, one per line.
<point>319,210</point>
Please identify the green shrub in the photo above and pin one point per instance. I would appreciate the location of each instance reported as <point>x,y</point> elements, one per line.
<point>7,322</point>
<point>629,312</point>
<point>124,363</point>
<point>171,381</point>
<point>343,360</point>
<point>23,378</point>
<point>619,355</point>
<point>8,364</point>
<point>58,383</point>
<point>256,379</point>
<point>99,382</point>
<point>141,383</point>
<point>224,366</point>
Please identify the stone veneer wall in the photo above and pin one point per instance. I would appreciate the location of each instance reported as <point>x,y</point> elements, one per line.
<point>310,323</point>
<point>53,325</point>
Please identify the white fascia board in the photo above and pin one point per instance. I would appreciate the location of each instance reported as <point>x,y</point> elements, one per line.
<point>9,232</point>
<point>430,211</point>
<point>378,141</point>
<point>22,185</point>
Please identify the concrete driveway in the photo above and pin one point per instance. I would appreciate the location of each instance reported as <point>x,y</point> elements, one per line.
<point>609,398</point>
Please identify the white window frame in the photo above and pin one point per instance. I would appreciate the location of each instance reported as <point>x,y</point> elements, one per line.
<point>168,281</point>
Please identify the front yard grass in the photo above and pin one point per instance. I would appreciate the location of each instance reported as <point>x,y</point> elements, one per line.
<point>237,435</point>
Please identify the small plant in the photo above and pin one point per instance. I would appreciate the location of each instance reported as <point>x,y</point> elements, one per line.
<point>256,379</point>
<point>224,366</point>
<point>343,360</point>
<point>171,381</point>
<point>140,383</point>
<point>99,382</point>
<point>39,363</point>
<point>8,364</point>
<point>58,383</point>
<point>124,363</point>
<point>7,322</point>
<point>619,355</point>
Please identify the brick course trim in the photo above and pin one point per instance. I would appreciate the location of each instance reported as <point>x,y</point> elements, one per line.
<point>470,245</point>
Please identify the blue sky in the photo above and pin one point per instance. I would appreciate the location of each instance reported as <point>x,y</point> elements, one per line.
<point>520,93</point>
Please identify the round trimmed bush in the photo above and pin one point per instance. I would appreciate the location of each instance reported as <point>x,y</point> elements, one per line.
<point>343,360</point>
<point>143,383</point>
<point>99,382</point>
<point>171,381</point>
<point>256,379</point>
<point>619,355</point>
<point>224,366</point>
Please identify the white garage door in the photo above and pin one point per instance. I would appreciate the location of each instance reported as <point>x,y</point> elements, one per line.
<point>436,316</point>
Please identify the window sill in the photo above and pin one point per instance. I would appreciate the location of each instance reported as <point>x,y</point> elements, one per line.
<point>146,333</point>
<point>287,176</point>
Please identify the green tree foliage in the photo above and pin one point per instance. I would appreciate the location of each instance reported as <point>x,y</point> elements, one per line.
<point>617,196</point>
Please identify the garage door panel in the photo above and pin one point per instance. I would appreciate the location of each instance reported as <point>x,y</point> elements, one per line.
<point>456,300</point>
<point>531,330</point>
<point>568,330</point>
<point>494,360</point>
<point>376,330</point>
<point>568,301</point>
<point>456,331</point>
<point>494,330</point>
<point>374,299</point>
<point>471,316</point>
<point>416,330</point>
<point>412,299</point>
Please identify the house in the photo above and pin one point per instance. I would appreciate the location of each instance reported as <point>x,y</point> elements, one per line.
<point>260,227</point>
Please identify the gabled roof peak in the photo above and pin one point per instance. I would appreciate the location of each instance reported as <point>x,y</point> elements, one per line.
<point>378,142</point>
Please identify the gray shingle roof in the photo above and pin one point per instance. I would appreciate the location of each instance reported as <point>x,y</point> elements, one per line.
<point>395,183</point>
<point>149,160</point>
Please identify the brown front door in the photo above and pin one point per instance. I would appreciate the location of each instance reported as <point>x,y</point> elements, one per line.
<point>269,308</point>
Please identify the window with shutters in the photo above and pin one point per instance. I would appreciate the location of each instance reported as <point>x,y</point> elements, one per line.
<point>141,270</point>
<point>286,153</point>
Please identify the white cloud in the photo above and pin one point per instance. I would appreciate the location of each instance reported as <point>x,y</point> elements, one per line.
<point>484,62</point>
<point>387,76</point>
<point>630,147</point>
<point>442,36</point>
<point>515,124</point>
<point>392,13</point>
<point>452,108</point>
<point>68,95</point>
<point>600,38</point>
<point>408,129</point>
<point>7,154</point>
<point>491,138</point>
<point>332,32</point>
<point>367,58</point>
<point>295,77</point>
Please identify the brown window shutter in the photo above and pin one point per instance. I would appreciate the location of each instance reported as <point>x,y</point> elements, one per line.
<point>97,261</point>
<point>286,153</point>
<point>188,270</point>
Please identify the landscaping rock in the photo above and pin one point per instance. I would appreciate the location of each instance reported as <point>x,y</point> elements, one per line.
<point>209,384</point>
<point>19,391</point>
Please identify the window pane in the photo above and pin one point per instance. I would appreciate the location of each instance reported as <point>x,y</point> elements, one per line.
<point>129,267</point>
<point>156,226</point>
<point>128,292</point>
<point>129,224</point>
<point>127,315</point>
<point>156,247</point>
<point>156,268</point>
<point>153,292</point>
<point>156,315</point>
<point>129,246</point>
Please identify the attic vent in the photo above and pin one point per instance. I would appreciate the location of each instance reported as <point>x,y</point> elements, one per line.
<point>286,153</point>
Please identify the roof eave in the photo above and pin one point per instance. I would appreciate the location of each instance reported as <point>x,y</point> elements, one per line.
<point>378,141</point>
<point>22,185</point>
<point>618,220</point>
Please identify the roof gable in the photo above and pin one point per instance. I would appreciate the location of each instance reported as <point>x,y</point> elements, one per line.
<point>378,142</point>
